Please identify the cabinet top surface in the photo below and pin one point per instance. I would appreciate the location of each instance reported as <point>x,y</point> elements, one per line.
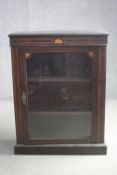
<point>50,33</point>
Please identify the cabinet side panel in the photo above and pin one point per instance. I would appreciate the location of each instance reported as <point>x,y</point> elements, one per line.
<point>17,94</point>
<point>94,96</point>
<point>101,94</point>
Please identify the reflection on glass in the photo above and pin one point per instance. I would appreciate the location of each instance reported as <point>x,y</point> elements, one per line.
<point>59,95</point>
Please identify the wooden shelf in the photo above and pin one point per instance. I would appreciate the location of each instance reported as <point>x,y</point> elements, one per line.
<point>58,79</point>
<point>48,113</point>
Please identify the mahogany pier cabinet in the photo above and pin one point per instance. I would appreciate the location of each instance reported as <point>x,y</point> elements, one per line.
<point>59,92</point>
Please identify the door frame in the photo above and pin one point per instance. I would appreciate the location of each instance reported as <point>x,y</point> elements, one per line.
<point>22,121</point>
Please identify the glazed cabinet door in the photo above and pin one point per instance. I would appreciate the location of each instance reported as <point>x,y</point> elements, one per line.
<point>59,94</point>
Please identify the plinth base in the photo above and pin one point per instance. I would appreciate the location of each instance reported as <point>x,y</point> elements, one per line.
<point>62,149</point>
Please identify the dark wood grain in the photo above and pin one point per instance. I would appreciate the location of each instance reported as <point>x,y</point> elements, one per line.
<point>17,96</point>
<point>48,40</point>
<point>101,94</point>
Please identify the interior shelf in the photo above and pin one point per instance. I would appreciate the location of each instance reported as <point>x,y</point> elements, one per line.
<point>48,113</point>
<point>58,79</point>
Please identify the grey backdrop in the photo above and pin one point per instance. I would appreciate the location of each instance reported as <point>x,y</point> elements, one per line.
<point>24,15</point>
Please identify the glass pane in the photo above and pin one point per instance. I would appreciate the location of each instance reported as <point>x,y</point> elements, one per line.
<point>60,125</point>
<point>59,64</point>
<point>59,95</point>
